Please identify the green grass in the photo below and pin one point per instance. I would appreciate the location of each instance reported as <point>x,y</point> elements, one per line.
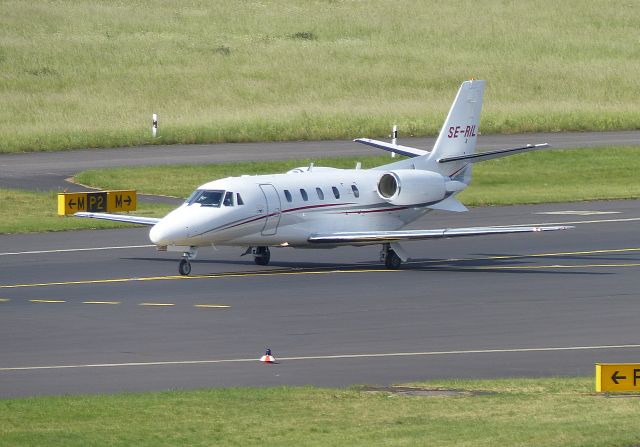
<point>89,73</point>
<point>539,177</point>
<point>529,412</point>
<point>27,212</point>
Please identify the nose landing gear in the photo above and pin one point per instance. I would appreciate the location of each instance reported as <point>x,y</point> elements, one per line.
<point>184,268</point>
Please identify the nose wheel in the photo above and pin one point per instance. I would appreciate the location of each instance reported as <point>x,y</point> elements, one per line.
<point>184,268</point>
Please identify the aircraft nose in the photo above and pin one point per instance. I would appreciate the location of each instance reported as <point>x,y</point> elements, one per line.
<point>164,233</point>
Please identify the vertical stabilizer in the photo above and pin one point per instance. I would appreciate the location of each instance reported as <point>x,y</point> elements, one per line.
<point>460,130</point>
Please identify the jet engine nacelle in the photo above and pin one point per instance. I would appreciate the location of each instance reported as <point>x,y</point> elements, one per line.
<point>411,187</point>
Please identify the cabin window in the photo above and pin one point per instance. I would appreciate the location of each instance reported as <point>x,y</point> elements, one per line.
<point>304,195</point>
<point>206,198</point>
<point>320,194</point>
<point>287,195</point>
<point>335,192</point>
<point>356,193</point>
<point>228,199</point>
<point>239,200</point>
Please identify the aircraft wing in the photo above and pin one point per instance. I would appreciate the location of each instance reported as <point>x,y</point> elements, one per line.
<point>378,237</point>
<point>140,220</point>
<point>402,150</point>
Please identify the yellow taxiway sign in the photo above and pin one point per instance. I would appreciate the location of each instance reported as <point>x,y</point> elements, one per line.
<point>617,377</point>
<point>99,202</point>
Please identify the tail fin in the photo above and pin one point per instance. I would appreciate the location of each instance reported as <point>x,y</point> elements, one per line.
<point>460,131</point>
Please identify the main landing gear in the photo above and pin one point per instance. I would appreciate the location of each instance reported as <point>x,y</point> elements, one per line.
<point>261,255</point>
<point>390,258</point>
<point>184,268</point>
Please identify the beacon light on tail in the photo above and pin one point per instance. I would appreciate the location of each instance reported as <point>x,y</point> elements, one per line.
<point>322,207</point>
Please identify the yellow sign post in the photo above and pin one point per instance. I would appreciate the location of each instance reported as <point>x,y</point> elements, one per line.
<point>97,202</point>
<point>617,377</point>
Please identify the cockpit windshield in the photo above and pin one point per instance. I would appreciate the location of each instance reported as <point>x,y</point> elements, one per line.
<point>205,197</point>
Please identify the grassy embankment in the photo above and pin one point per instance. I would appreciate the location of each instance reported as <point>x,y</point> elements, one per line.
<point>555,176</point>
<point>528,412</point>
<point>91,73</point>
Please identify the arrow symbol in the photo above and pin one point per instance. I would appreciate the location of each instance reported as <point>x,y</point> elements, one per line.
<point>128,200</point>
<point>72,203</point>
<point>615,377</point>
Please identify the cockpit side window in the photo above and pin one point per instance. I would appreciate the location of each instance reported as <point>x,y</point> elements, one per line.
<point>239,200</point>
<point>228,199</point>
<point>205,197</point>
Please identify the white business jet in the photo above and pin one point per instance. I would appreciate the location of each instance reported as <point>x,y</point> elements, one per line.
<point>322,207</point>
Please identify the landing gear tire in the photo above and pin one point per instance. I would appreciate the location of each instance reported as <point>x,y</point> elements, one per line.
<point>262,256</point>
<point>392,261</point>
<point>184,267</point>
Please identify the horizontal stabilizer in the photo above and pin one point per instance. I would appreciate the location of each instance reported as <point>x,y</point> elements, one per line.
<point>402,150</point>
<point>489,155</point>
<point>377,237</point>
<point>140,220</point>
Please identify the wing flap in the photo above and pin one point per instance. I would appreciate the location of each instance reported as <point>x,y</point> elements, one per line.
<point>140,220</point>
<point>402,150</point>
<point>378,237</point>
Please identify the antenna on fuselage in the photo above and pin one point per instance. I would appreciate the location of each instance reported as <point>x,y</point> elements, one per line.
<point>310,168</point>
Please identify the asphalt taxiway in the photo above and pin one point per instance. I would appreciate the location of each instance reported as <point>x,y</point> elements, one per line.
<point>102,311</point>
<point>46,171</point>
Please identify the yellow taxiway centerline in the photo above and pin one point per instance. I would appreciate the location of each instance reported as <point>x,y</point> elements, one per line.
<point>212,306</point>
<point>157,304</point>
<point>348,270</point>
<point>47,301</point>
<point>101,302</point>
<point>177,277</point>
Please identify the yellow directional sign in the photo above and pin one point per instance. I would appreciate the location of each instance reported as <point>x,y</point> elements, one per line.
<point>617,377</point>
<point>98,202</point>
<point>69,203</point>
<point>121,201</point>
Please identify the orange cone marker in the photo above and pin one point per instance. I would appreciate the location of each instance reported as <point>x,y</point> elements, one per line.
<point>267,357</point>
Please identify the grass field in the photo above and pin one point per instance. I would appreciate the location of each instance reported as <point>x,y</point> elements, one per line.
<point>89,73</point>
<point>528,412</point>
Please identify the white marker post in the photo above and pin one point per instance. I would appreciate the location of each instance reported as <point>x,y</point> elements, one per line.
<point>154,127</point>
<point>394,137</point>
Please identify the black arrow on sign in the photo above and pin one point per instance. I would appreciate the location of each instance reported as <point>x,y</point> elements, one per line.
<point>128,200</point>
<point>615,377</point>
<point>72,203</point>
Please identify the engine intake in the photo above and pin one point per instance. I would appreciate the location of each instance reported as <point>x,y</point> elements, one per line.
<point>411,187</point>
